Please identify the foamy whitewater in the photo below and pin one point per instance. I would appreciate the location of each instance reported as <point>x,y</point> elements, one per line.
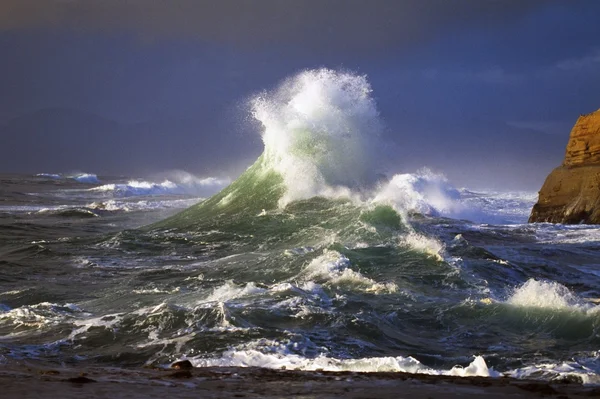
<point>314,258</point>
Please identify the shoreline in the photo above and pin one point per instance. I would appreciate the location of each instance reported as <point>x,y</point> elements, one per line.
<point>33,380</point>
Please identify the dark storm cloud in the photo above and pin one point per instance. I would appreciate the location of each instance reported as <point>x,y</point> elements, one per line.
<point>146,85</point>
<point>316,25</point>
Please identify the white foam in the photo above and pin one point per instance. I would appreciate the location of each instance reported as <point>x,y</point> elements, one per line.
<point>53,176</point>
<point>13,292</point>
<point>548,295</point>
<point>513,207</point>
<point>189,186</point>
<point>320,132</point>
<point>425,192</point>
<point>334,268</point>
<point>155,290</point>
<point>431,193</point>
<point>566,234</point>
<point>113,205</point>
<point>230,290</point>
<point>477,368</point>
<point>88,178</point>
<point>422,243</point>
<point>273,355</point>
<point>39,315</point>
<point>558,372</point>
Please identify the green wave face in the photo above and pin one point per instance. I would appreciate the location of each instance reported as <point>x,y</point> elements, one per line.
<point>246,215</point>
<point>258,188</point>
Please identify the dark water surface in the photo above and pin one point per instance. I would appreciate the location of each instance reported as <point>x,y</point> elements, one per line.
<point>319,284</point>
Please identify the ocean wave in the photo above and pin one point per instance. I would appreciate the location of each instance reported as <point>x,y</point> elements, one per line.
<point>432,194</point>
<point>52,176</point>
<point>276,355</point>
<point>230,291</point>
<point>202,187</point>
<point>549,295</point>
<point>586,370</point>
<point>321,131</point>
<point>548,233</point>
<point>428,245</point>
<point>98,208</point>
<point>143,205</point>
<point>321,138</point>
<point>424,192</point>
<point>88,178</point>
<point>333,269</point>
<point>39,315</point>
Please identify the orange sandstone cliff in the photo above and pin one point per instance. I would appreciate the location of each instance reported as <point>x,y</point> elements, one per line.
<point>571,192</point>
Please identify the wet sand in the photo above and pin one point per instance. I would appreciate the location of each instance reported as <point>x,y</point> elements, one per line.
<point>31,381</point>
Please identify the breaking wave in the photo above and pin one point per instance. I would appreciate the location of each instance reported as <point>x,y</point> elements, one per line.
<point>189,186</point>
<point>313,259</point>
<point>87,178</point>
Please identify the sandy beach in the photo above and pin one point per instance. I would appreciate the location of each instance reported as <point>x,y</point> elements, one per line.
<point>33,381</point>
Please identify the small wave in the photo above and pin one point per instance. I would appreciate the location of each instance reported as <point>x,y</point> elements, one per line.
<point>87,178</point>
<point>548,233</point>
<point>39,315</point>
<point>549,295</point>
<point>424,192</point>
<point>421,243</point>
<point>562,372</point>
<point>334,269</point>
<point>275,355</point>
<point>144,205</point>
<point>150,291</point>
<point>24,208</point>
<point>69,212</point>
<point>52,176</point>
<point>230,291</point>
<point>203,187</point>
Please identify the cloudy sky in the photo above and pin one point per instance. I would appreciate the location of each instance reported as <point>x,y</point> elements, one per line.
<point>483,90</point>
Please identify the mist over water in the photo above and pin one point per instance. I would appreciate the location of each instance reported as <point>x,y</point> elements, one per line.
<point>310,259</point>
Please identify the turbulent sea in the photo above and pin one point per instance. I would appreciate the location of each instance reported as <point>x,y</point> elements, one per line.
<point>314,258</point>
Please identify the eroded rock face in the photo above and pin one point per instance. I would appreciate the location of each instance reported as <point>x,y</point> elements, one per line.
<point>584,144</point>
<point>571,192</point>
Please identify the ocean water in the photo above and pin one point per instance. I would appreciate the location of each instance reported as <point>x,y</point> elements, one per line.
<point>314,258</point>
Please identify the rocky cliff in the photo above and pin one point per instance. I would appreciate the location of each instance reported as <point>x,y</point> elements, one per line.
<point>571,192</point>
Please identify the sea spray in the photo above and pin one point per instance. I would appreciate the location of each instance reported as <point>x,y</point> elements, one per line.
<point>322,138</point>
<point>425,192</point>
<point>386,280</point>
<point>321,132</point>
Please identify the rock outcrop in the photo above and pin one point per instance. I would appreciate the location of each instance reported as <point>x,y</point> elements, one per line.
<point>571,193</point>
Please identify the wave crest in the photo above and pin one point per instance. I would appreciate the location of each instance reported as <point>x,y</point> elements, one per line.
<point>320,132</point>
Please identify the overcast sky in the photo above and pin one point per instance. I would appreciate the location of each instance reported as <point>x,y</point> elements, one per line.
<point>139,87</point>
